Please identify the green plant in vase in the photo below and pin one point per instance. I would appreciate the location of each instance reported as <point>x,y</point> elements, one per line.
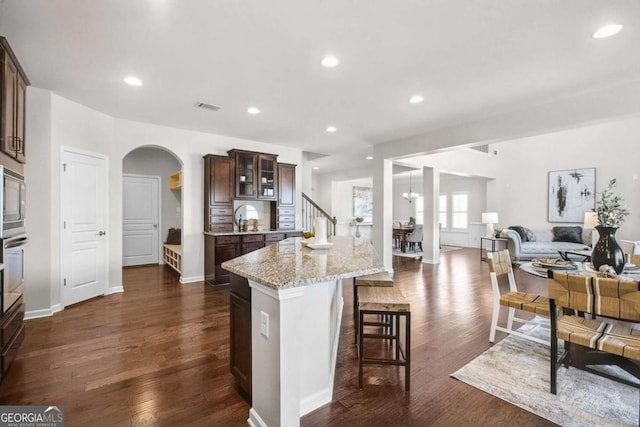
<point>611,213</point>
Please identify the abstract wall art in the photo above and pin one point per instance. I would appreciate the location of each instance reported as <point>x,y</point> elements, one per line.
<point>571,194</point>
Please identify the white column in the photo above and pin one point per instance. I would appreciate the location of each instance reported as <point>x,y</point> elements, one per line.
<point>431,227</point>
<point>382,230</point>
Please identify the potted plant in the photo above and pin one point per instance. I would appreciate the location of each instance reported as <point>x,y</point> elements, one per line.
<point>611,213</point>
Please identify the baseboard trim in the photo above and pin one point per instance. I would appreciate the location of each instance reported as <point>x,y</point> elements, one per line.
<point>114,290</point>
<point>430,261</point>
<point>192,279</point>
<point>255,420</point>
<point>45,312</point>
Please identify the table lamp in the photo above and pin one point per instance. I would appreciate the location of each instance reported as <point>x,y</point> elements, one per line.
<point>591,221</point>
<point>490,218</point>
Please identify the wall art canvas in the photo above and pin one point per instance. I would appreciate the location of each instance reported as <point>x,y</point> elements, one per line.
<point>571,194</point>
<point>363,202</point>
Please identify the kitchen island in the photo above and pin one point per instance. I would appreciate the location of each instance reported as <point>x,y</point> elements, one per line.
<point>296,309</point>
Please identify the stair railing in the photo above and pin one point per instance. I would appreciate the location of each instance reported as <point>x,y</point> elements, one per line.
<point>311,210</point>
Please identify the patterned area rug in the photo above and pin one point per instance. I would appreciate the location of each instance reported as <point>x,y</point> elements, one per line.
<point>517,370</point>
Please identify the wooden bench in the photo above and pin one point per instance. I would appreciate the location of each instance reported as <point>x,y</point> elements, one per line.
<point>386,301</point>
<point>608,333</point>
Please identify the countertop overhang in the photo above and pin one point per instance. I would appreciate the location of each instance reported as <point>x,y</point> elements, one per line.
<point>290,264</point>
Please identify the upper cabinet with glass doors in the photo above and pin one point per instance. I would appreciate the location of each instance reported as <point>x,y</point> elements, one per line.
<point>256,175</point>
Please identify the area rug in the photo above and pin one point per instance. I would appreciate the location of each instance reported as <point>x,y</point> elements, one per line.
<point>517,370</point>
<point>408,254</point>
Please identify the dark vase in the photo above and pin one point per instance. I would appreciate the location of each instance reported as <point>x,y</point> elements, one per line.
<point>608,251</point>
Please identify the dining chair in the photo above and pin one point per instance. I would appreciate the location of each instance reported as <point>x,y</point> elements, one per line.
<point>415,237</point>
<point>499,267</point>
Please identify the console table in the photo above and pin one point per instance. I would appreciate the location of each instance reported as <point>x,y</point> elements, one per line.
<point>494,241</point>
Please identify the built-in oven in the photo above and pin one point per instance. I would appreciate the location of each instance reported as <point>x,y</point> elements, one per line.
<point>13,203</point>
<point>13,260</point>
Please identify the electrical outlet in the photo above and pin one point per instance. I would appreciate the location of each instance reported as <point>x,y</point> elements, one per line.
<point>264,324</point>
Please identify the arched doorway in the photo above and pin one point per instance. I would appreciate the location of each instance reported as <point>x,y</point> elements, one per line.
<point>143,234</point>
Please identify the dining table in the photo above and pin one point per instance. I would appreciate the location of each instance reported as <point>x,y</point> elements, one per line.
<point>401,233</point>
<point>630,272</point>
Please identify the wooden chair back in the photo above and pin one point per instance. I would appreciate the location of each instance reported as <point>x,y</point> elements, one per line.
<point>618,299</point>
<point>499,265</point>
<point>571,291</point>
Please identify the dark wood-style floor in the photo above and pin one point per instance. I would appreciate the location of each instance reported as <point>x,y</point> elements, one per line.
<point>157,354</point>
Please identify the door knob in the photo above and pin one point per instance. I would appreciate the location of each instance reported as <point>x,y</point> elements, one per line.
<point>101,233</point>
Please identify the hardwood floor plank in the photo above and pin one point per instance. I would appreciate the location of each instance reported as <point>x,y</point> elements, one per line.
<point>158,354</point>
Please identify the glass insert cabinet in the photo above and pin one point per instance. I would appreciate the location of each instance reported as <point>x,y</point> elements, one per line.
<point>256,175</point>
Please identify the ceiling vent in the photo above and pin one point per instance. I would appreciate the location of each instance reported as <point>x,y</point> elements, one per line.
<point>482,148</point>
<point>206,106</point>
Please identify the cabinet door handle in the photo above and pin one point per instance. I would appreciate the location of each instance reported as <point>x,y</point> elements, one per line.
<point>101,233</point>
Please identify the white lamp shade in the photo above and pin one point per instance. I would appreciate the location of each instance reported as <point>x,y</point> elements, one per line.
<point>490,217</point>
<point>590,220</point>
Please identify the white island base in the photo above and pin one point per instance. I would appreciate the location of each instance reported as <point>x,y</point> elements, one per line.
<point>293,366</point>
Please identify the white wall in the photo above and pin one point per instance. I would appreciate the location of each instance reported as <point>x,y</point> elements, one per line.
<point>76,126</point>
<point>611,147</point>
<point>39,169</point>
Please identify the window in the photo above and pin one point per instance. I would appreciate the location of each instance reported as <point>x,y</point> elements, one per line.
<point>459,210</point>
<point>419,210</point>
<point>442,217</point>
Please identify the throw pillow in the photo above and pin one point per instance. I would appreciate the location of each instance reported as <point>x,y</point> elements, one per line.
<point>174,236</point>
<point>567,234</point>
<point>521,231</point>
<point>530,236</point>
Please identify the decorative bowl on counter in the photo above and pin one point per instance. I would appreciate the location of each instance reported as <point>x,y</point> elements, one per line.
<point>311,244</point>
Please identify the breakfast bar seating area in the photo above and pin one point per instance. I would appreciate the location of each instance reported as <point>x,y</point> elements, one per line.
<point>374,294</point>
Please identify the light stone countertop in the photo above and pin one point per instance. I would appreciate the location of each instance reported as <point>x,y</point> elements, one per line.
<point>289,264</point>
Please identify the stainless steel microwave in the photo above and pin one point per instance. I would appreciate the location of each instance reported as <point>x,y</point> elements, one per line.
<point>13,203</point>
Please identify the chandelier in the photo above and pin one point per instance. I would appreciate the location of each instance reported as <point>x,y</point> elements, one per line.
<point>410,196</point>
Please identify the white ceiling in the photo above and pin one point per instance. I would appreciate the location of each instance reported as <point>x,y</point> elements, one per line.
<point>468,58</point>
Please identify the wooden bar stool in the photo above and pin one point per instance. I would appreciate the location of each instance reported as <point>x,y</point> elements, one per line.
<point>385,301</point>
<point>382,278</point>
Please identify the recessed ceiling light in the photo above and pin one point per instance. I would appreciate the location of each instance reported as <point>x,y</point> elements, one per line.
<point>329,61</point>
<point>369,157</point>
<point>416,99</point>
<point>133,81</point>
<point>331,129</point>
<point>253,110</point>
<point>607,31</point>
<point>315,168</point>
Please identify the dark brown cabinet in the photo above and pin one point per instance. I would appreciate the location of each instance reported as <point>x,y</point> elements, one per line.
<point>12,331</point>
<point>268,177</point>
<point>284,208</point>
<point>224,249</point>
<point>286,184</point>
<point>219,178</point>
<point>256,175</point>
<point>13,88</point>
<point>252,242</point>
<point>240,333</point>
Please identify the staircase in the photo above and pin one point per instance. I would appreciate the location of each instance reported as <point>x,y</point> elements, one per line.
<point>311,210</point>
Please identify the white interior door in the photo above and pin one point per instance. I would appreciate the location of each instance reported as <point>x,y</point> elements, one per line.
<point>84,195</point>
<point>141,206</point>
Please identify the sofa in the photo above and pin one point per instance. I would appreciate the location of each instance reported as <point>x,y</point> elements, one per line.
<point>542,244</point>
